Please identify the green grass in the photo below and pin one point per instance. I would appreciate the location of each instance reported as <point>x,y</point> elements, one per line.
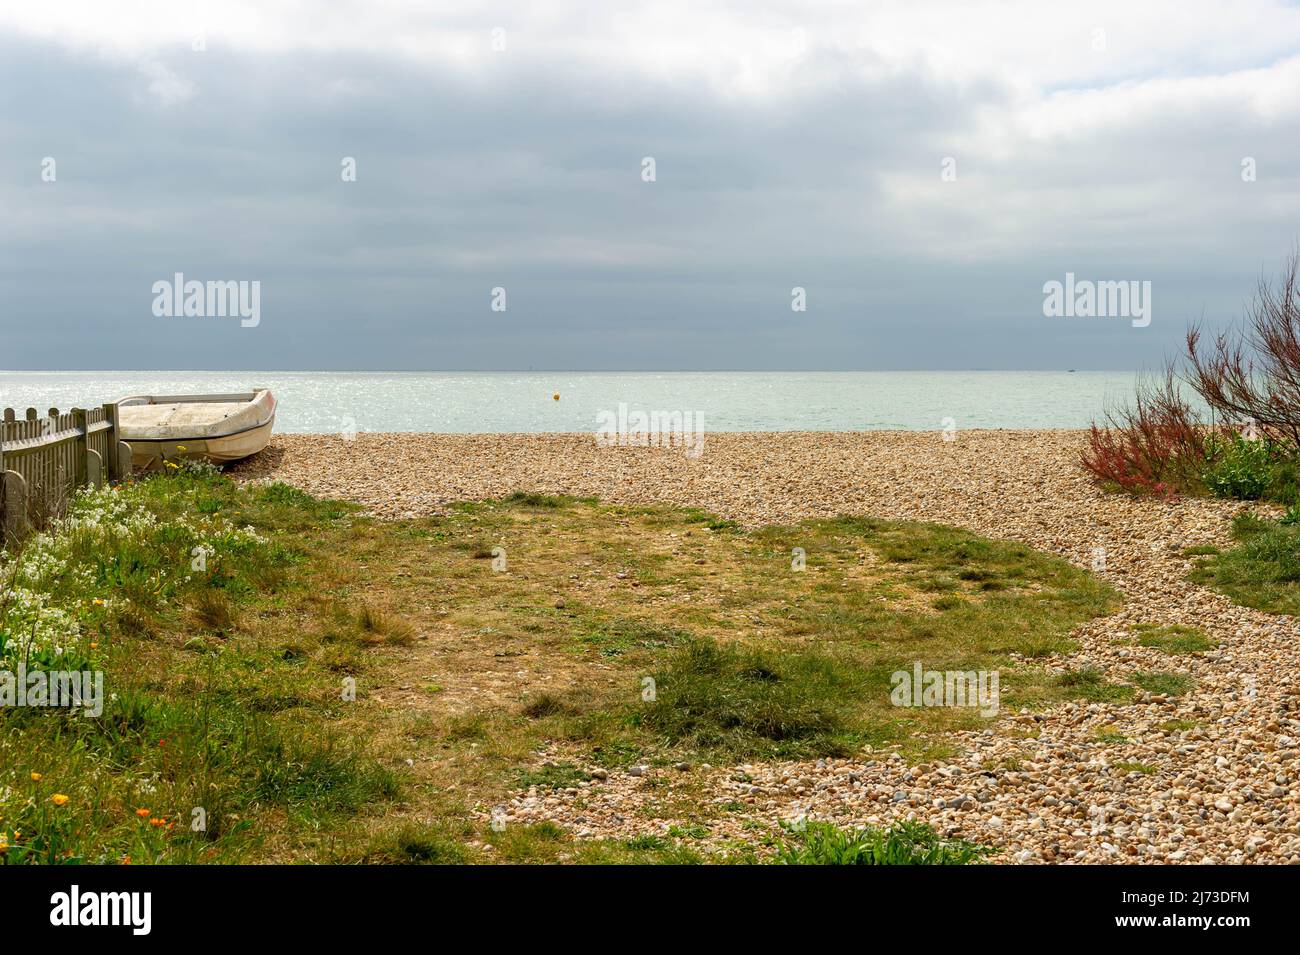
<point>1109,734</point>
<point>1090,684</point>
<point>908,843</point>
<point>618,635</point>
<point>210,746</point>
<point>547,843</point>
<point>413,844</point>
<point>615,637</point>
<point>1159,681</point>
<point>754,703</point>
<point>559,776</point>
<point>1262,570</point>
<point>1173,638</point>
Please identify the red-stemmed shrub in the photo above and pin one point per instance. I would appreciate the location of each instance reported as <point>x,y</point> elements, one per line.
<point>1248,378</point>
<point>1251,372</point>
<point>1157,445</point>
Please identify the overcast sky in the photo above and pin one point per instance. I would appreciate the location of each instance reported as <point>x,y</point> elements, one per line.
<point>793,145</point>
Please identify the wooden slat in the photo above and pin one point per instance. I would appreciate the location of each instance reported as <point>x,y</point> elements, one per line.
<point>51,456</point>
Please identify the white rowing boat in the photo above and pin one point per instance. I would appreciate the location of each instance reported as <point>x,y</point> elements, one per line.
<point>218,428</point>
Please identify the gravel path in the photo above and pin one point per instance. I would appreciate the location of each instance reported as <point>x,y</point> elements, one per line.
<point>1046,786</point>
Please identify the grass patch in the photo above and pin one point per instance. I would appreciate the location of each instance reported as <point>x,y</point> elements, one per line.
<point>313,679</point>
<point>908,843</point>
<point>754,703</point>
<point>1262,570</point>
<point>1163,682</point>
<point>1090,684</point>
<point>559,776</point>
<point>214,748</point>
<point>616,637</point>
<point>1173,638</point>
<point>412,844</point>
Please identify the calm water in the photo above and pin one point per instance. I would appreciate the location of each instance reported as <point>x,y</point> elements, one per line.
<point>507,401</point>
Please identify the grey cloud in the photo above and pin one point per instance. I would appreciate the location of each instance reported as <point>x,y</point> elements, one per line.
<point>528,178</point>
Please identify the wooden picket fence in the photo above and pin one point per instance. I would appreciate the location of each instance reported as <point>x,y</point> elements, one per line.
<point>43,460</point>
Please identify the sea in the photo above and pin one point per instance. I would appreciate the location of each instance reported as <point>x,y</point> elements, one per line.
<point>577,401</point>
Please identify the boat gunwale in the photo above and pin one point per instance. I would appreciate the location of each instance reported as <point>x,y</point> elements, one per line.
<point>258,400</point>
<point>197,438</point>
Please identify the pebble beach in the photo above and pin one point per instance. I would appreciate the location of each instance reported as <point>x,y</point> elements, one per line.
<point>1221,778</point>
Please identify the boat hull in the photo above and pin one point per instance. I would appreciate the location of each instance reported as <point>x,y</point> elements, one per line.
<point>216,428</point>
<point>147,455</point>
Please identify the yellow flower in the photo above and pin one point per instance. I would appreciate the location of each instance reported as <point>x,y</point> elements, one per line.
<point>58,799</point>
<point>94,646</point>
<point>100,602</point>
<point>36,777</point>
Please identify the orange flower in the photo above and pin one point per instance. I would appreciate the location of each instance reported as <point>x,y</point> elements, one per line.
<point>94,646</point>
<point>59,799</point>
<point>36,777</point>
<point>142,813</point>
<point>156,822</point>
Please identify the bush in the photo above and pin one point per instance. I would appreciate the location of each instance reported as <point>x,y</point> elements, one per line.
<point>1240,469</point>
<point>1156,446</point>
<point>1245,375</point>
<point>908,843</point>
<point>1249,372</point>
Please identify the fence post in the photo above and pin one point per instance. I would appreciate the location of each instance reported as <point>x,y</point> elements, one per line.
<point>13,490</point>
<point>81,453</point>
<point>110,446</point>
<point>94,469</point>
